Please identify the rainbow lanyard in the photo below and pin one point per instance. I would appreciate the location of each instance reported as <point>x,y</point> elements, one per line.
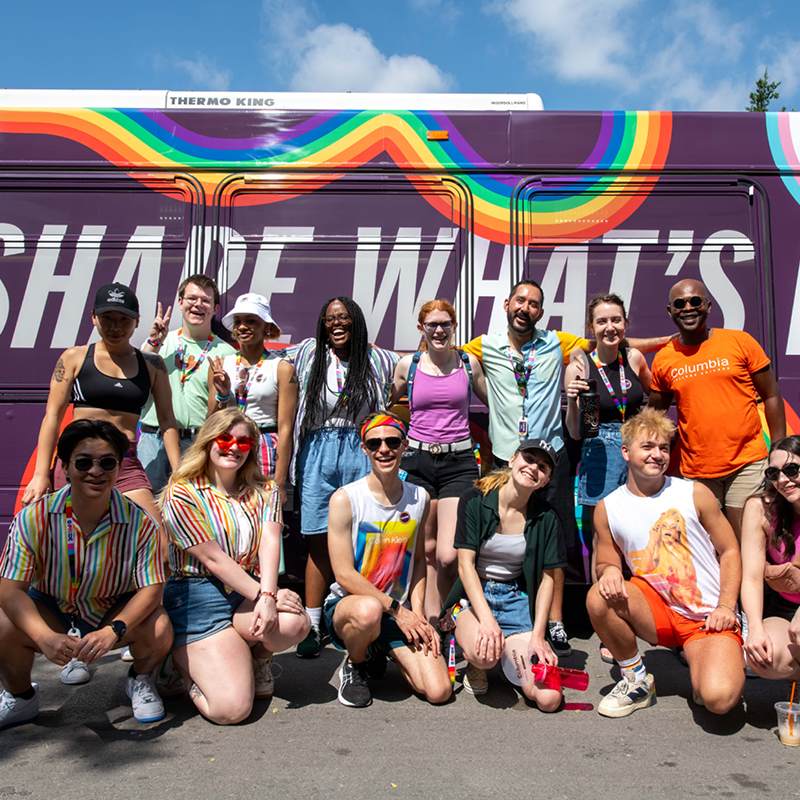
<point>185,373</point>
<point>607,382</point>
<point>71,548</point>
<point>451,662</point>
<point>521,377</point>
<point>339,377</point>
<point>241,399</point>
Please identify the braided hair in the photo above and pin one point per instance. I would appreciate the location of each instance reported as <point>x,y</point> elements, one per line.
<point>359,386</point>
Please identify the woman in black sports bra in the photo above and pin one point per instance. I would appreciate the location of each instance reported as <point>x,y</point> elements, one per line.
<point>109,380</point>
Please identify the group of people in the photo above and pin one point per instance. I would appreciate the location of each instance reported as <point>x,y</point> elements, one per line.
<point>173,475</point>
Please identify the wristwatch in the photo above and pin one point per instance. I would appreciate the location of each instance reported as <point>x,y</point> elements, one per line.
<point>393,608</point>
<point>119,627</point>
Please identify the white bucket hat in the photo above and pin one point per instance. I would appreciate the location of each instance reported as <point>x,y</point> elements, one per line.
<point>250,304</point>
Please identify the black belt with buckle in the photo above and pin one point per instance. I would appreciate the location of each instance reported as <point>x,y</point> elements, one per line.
<point>183,433</point>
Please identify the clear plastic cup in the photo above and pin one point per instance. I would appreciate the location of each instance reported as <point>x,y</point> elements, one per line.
<point>789,723</point>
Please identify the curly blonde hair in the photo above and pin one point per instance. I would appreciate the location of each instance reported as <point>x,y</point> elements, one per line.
<point>195,461</point>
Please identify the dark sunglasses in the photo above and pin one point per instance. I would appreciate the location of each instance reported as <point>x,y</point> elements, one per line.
<point>791,470</point>
<point>225,441</point>
<point>374,444</point>
<point>107,463</point>
<point>695,301</point>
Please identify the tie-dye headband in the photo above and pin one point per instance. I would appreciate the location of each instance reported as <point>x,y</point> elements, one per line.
<point>379,421</point>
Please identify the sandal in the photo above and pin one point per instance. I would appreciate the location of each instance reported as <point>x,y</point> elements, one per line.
<point>605,655</point>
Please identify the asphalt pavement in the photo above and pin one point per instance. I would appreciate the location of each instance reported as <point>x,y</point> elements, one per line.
<point>304,744</point>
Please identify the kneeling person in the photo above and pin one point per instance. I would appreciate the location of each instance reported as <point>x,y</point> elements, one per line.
<point>670,532</point>
<point>84,560</point>
<point>375,539</point>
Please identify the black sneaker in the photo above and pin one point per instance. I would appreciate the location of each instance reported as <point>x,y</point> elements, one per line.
<point>353,686</point>
<point>559,639</point>
<point>376,662</point>
<point>310,646</point>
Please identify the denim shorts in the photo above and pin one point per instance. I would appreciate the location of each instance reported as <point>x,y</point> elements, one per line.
<point>441,474</point>
<point>198,607</point>
<point>603,469</point>
<point>389,638</point>
<point>67,620</point>
<point>329,459</point>
<point>509,604</point>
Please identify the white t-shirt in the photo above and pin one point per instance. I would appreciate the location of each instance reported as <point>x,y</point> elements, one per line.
<point>664,543</point>
<point>500,557</point>
<point>331,395</point>
<point>262,399</point>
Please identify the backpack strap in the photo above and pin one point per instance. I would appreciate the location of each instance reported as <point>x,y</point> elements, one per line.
<point>412,370</point>
<point>468,368</point>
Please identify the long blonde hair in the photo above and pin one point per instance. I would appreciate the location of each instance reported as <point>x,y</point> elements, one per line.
<point>496,479</point>
<point>195,461</point>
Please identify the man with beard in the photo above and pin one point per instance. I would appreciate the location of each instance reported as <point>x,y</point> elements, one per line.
<point>523,376</point>
<point>710,373</point>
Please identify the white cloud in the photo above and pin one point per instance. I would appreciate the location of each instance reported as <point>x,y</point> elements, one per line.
<point>784,67</point>
<point>686,54</point>
<point>577,40</point>
<point>445,8</point>
<point>340,58</point>
<point>203,71</point>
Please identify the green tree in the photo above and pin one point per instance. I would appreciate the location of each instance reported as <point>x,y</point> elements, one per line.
<point>766,91</point>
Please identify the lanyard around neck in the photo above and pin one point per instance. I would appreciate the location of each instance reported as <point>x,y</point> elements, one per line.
<point>522,377</point>
<point>185,373</point>
<point>241,397</point>
<point>623,389</point>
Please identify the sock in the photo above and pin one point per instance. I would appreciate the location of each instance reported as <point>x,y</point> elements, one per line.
<point>26,695</point>
<point>315,615</point>
<point>633,668</point>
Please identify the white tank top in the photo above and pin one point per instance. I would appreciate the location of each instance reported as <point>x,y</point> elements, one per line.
<point>262,399</point>
<point>384,538</point>
<point>664,543</point>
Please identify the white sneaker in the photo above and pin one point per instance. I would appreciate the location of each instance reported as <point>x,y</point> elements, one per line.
<point>628,696</point>
<point>15,711</point>
<point>142,692</point>
<point>169,681</point>
<point>265,682</point>
<point>125,654</point>
<point>75,672</point>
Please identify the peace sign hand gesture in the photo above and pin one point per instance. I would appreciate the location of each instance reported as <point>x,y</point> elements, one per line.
<point>222,381</point>
<point>160,327</point>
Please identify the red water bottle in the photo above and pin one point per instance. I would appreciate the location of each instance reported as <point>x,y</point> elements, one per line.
<point>556,677</point>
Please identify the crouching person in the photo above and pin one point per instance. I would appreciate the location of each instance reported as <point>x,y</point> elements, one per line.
<point>223,520</point>
<point>82,574</point>
<point>376,542</point>
<point>670,532</point>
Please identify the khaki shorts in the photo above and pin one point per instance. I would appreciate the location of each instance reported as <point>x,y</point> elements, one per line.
<point>733,490</point>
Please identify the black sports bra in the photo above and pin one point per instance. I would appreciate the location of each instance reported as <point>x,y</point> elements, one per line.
<point>95,389</point>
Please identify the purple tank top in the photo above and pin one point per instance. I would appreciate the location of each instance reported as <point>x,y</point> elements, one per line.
<point>775,556</point>
<point>440,407</point>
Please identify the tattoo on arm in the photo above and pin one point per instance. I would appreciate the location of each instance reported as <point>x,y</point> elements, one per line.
<point>60,372</point>
<point>293,379</point>
<point>195,692</point>
<point>156,361</point>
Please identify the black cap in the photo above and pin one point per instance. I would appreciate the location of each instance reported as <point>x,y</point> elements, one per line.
<point>542,446</point>
<point>116,297</point>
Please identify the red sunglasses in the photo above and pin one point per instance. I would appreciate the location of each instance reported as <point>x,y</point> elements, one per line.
<point>225,441</point>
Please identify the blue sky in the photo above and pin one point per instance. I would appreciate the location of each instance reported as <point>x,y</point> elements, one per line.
<point>577,54</point>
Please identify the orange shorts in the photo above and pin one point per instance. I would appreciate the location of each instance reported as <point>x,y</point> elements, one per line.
<point>673,629</point>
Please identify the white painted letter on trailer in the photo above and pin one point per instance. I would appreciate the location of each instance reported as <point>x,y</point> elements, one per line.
<point>629,246</point>
<point>143,253</point>
<point>13,245</point>
<point>572,263</point>
<point>719,285</point>
<point>265,272</point>
<point>496,288</point>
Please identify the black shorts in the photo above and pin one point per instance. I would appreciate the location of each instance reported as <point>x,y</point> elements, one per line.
<point>560,494</point>
<point>776,605</point>
<point>441,474</point>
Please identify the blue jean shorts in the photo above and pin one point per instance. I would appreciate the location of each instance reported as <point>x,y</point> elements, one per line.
<point>198,607</point>
<point>602,469</point>
<point>329,459</point>
<point>509,604</point>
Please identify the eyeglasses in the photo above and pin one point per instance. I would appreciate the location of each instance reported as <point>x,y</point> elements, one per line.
<point>107,463</point>
<point>199,301</point>
<point>374,444</point>
<point>431,327</point>
<point>225,442</point>
<point>791,470</point>
<point>695,301</point>
<point>332,319</point>
<point>532,458</point>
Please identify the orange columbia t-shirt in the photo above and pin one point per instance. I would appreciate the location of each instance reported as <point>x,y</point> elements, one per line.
<point>718,422</point>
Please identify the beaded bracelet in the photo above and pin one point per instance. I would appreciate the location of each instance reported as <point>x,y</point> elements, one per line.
<point>154,343</point>
<point>262,593</point>
<point>223,399</point>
